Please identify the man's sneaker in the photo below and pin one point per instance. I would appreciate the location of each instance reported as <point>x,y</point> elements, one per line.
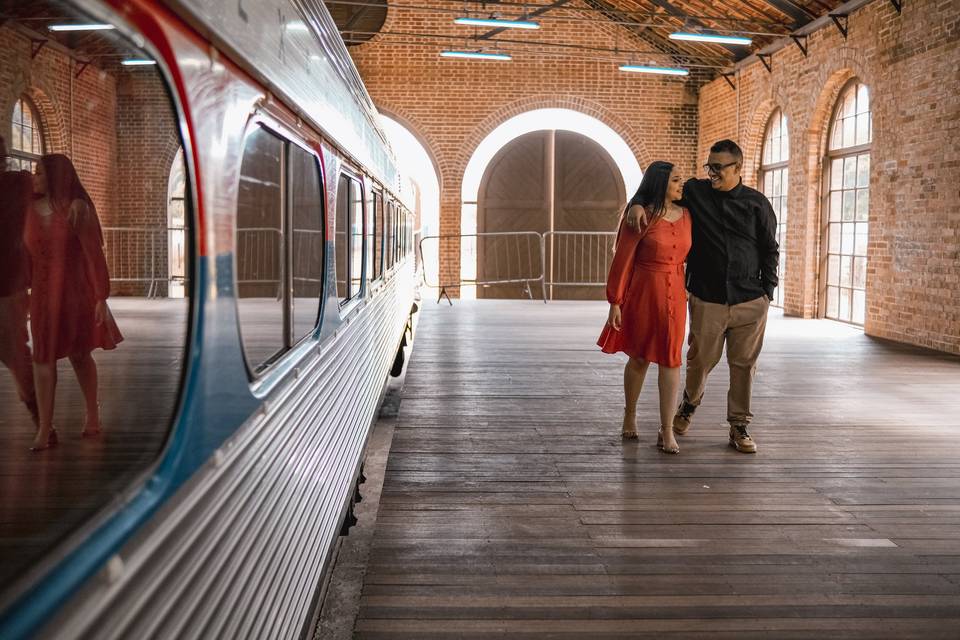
<point>741,440</point>
<point>681,421</point>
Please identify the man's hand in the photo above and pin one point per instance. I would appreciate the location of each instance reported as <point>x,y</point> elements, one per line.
<point>634,214</point>
<point>100,312</point>
<point>613,318</point>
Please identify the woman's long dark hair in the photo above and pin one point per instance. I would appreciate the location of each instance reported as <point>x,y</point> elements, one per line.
<point>652,193</point>
<point>63,183</point>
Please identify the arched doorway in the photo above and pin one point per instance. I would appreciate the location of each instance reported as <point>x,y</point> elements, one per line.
<point>418,166</point>
<point>567,120</point>
<point>558,183</point>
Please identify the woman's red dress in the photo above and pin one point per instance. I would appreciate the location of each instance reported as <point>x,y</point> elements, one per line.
<point>69,278</point>
<point>647,280</point>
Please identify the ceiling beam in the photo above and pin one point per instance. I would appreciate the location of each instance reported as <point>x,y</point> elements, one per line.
<point>737,50</point>
<point>526,16</point>
<point>797,13</point>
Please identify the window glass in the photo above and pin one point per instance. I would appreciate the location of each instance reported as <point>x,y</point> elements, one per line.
<point>342,246</point>
<point>774,178</point>
<point>388,243</point>
<point>260,255</point>
<point>377,235</point>
<point>105,248</point>
<point>848,202</point>
<point>26,143</point>
<point>349,238</point>
<point>306,217</point>
<point>356,237</point>
<point>371,232</point>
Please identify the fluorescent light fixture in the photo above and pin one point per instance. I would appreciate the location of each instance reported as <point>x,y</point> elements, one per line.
<point>136,62</point>
<point>710,37</point>
<point>496,22</point>
<point>297,25</point>
<point>667,71</point>
<point>477,55</point>
<point>81,27</point>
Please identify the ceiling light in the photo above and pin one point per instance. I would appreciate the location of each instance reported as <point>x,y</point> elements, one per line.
<point>668,71</point>
<point>496,22</point>
<point>477,55</point>
<point>81,27</point>
<point>137,62</point>
<point>710,37</point>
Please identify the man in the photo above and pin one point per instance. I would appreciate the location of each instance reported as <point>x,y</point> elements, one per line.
<point>16,190</point>
<point>731,275</point>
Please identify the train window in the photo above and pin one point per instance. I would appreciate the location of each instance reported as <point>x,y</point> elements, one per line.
<point>397,233</point>
<point>356,237</point>
<point>388,235</point>
<point>84,213</point>
<point>306,216</point>
<point>260,250</point>
<point>349,238</point>
<point>369,266</point>
<point>377,235</point>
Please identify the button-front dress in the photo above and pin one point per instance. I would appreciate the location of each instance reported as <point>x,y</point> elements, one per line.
<point>647,280</point>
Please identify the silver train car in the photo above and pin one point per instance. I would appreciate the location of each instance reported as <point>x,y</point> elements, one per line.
<point>297,297</point>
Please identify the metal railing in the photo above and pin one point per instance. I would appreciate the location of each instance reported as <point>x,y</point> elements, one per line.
<point>553,259</point>
<point>132,255</point>
<point>578,258</point>
<point>508,258</point>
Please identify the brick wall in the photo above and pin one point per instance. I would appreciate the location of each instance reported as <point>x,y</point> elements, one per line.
<point>117,127</point>
<point>911,64</point>
<point>451,105</point>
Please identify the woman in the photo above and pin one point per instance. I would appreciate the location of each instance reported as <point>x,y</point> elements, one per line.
<point>647,296</point>
<point>69,317</point>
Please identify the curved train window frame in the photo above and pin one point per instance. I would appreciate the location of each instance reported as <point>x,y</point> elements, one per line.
<point>348,304</point>
<point>377,215</point>
<point>262,118</point>
<point>98,517</point>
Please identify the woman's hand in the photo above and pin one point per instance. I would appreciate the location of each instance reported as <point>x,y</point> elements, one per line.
<point>613,318</point>
<point>100,312</point>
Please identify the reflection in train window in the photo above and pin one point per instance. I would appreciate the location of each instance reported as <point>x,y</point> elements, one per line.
<point>260,255</point>
<point>377,235</point>
<point>306,213</point>
<point>90,227</point>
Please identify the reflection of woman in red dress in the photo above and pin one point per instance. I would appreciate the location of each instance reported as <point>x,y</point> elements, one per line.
<point>69,317</point>
<point>647,295</point>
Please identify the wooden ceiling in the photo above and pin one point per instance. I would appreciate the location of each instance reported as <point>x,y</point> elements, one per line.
<point>644,25</point>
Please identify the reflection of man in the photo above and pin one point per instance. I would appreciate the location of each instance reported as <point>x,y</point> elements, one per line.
<point>731,275</point>
<point>16,189</point>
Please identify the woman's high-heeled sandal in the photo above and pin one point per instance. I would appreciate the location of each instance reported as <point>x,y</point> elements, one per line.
<point>52,441</point>
<point>675,449</point>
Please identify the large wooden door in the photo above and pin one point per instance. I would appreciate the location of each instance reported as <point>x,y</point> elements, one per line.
<point>547,181</point>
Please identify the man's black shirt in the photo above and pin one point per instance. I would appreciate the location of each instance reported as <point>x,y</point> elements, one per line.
<point>735,252</point>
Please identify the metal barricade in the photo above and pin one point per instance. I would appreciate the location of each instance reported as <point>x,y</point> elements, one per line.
<point>578,258</point>
<point>132,255</point>
<point>508,258</point>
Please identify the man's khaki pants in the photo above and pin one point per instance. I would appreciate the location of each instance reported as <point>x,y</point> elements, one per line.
<point>741,326</point>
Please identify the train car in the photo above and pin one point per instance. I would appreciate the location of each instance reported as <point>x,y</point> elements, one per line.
<point>237,410</point>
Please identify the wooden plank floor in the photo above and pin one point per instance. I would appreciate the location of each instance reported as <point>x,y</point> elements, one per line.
<point>511,508</point>
<point>45,495</point>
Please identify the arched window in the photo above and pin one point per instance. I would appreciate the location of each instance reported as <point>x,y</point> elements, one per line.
<point>847,205</point>
<point>26,143</point>
<point>774,174</point>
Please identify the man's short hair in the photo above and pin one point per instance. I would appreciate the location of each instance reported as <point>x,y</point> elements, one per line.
<point>728,146</point>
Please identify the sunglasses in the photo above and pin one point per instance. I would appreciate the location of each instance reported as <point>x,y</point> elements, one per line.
<point>717,167</point>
